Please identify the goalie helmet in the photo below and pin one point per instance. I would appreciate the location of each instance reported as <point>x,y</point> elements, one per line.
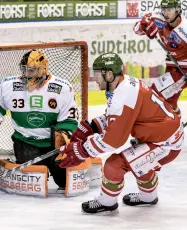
<point>109,61</point>
<point>34,68</point>
<point>170,4</point>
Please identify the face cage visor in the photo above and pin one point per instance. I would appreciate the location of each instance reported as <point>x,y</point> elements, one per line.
<point>30,76</point>
<point>29,72</point>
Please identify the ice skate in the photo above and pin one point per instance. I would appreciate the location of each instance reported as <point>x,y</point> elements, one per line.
<point>94,206</point>
<point>133,199</point>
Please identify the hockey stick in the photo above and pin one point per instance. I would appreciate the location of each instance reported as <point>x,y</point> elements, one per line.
<point>171,57</point>
<point>184,124</point>
<point>174,61</point>
<point>28,163</point>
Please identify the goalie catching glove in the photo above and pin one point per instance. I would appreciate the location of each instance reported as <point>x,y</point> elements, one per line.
<point>59,137</point>
<point>71,155</point>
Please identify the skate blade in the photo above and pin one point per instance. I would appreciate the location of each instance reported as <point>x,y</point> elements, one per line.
<point>105,213</point>
<point>139,205</point>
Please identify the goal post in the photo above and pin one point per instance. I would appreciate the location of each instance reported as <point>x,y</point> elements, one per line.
<point>67,60</point>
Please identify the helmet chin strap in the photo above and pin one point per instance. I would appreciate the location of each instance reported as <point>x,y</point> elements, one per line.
<point>107,93</point>
<point>176,16</point>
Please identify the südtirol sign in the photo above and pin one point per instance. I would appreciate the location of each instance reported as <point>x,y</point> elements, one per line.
<point>68,10</point>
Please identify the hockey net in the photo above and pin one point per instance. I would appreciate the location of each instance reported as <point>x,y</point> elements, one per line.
<point>68,60</point>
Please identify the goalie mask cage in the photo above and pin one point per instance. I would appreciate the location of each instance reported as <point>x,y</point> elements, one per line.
<point>67,60</point>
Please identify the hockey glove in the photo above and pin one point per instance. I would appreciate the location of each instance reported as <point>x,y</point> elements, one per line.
<point>59,137</point>
<point>71,155</point>
<point>82,132</point>
<point>148,26</point>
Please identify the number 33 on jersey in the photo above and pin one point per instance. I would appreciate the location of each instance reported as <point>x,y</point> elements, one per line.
<point>33,113</point>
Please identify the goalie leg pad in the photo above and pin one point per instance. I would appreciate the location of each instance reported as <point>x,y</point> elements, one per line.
<point>81,178</point>
<point>25,152</point>
<point>31,181</point>
<point>77,179</point>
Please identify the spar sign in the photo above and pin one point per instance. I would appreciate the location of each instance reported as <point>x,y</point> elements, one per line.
<point>61,10</point>
<point>154,5</point>
<point>138,8</point>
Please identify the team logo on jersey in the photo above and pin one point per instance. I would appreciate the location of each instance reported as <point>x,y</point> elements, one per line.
<point>160,24</point>
<point>10,78</point>
<point>55,88</point>
<point>36,119</point>
<point>36,101</point>
<point>18,86</point>
<point>182,31</point>
<point>52,103</point>
<point>132,81</point>
<point>175,37</point>
<point>173,45</point>
<point>62,81</point>
<point>109,101</point>
<point>140,173</point>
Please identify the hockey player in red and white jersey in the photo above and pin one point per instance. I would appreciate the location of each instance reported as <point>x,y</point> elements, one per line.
<point>171,26</point>
<point>132,108</point>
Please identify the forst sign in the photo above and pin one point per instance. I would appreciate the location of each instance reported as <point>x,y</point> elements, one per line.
<point>96,9</point>
<point>29,11</point>
<point>62,10</point>
<point>13,11</point>
<point>50,10</point>
<point>90,9</point>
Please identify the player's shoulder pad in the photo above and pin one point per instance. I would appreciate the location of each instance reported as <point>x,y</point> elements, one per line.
<point>116,101</point>
<point>181,30</point>
<point>60,84</point>
<point>183,23</point>
<point>127,91</point>
<point>130,80</point>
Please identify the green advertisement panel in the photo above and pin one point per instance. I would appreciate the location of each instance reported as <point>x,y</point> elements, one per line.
<point>57,11</point>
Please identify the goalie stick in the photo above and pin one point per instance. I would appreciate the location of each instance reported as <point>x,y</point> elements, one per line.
<point>35,160</point>
<point>28,163</point>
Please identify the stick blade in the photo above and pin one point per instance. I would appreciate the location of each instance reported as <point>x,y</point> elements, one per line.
<point>5,172</point>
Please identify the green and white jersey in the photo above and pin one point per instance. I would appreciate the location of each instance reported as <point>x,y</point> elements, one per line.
<point>33,113</point>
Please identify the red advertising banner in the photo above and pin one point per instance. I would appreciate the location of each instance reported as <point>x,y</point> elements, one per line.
<point>132,8</point>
